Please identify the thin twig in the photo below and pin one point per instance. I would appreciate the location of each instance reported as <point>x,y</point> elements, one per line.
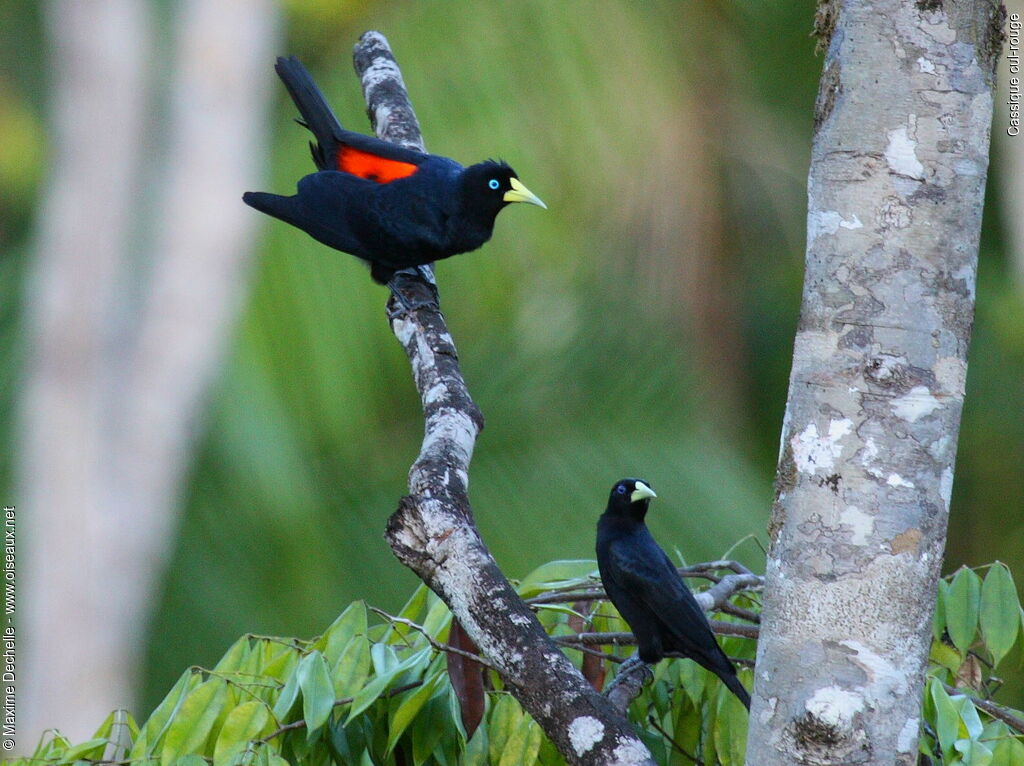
<point>301,723</point>
<point>654,722</point>
<point>572,642</point>
<point>625,638</point>
<point>996,711</point>
<point>435,644</point>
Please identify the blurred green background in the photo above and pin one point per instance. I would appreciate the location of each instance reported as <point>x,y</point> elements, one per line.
<point>642,326</point>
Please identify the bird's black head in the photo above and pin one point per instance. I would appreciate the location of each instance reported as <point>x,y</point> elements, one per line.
<point>630,498</point>
<point>488,186</point>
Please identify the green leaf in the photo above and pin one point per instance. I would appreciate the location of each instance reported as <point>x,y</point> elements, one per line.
<point>384,658</point>
<point>971,722</point>
<point>351,622</point>
<point>688,721</point>
<point>411,611</point>
<point>190,760</point>
<point>947,718</point>
<point>730,729</point>
<point>235,657</point>
<point>1000,608</point>
<point>476,749</point>
<point>974,753</point>
<point>193,722</point>
<point>1008,752</point>
<point>438,616</point>
<point>429,727</point>
<point>353,667</point>
<point>155,728</point>
<point>408,707</point>
<point>939,615</point>
<point>504,720</point>
<point>963,602</point>
<point>317,692</point>
<point>90,750</point>
<point>522,744</point>
<point>250,720</point>
<point>945,656</point>
<point>286,700</point>
<point>369,693</point>
<point>279,661</point>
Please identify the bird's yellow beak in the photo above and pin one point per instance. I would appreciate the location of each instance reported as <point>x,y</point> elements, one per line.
<point>519,193</point>
<point>642,492</point>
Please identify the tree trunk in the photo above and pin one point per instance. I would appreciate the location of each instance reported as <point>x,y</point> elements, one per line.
<point>113,385</point>
<point>433,532</point>
<point>895,193</point>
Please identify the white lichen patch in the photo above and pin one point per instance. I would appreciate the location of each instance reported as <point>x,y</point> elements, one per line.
<point>937,449</point>
<point>403,327</point>
<point>884,678</point>
<point>829,222</point>
<point>435,393</point>
<point>925,65</point>
<point>861,524</point>
<point>812,451</point>
<point>906,740</point>
<point>768,710</point>
<point>951,375</point>
<point>946,485</point>
<point>869,453</point>
<point>585,732</point>
<point>915,404</point>
<point>454,427</point>
<point>520,619</point>
<point>937,27</point>
<point>812,345</point>
<point>895,480</point>
<point>630,752</point>
<point>901,155</point>
<point>834,706</point>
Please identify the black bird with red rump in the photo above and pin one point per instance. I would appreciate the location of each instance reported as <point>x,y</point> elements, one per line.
<point>393,207</point>
<point>647,590</point>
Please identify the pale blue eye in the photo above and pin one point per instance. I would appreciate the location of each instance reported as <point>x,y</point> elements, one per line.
<point>493,183</point>
<point>621,489</point>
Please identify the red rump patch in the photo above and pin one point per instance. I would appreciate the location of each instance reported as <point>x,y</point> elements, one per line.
<point>372,167</point>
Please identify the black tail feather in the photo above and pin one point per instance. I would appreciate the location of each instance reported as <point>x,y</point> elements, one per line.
<point>737,688</point>
<point>274,205</point>
<point>316,114</point>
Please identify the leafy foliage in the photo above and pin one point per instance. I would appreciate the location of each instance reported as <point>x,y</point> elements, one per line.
<point>977,622</point>
<point>377,691</point>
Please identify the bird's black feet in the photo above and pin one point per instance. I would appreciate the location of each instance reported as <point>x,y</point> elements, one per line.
<point>634,666</point>
<point>413,289</point>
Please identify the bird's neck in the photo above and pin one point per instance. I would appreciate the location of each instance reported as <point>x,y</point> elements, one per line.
<point>623,521</point>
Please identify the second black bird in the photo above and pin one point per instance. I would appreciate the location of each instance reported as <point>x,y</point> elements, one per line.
<point>393,207</point>
<point>647,590</point>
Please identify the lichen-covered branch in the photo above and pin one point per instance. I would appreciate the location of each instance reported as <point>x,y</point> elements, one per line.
<point>895,194</point>
<point>432,532</point>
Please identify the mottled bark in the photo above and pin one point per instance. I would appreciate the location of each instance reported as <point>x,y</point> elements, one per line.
<point>433,532</point>
<point>123,344</point>
<point>895,192</point>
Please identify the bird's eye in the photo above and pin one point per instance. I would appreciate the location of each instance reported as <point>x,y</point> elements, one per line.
<point>621,489</point>
<point>493,183</point>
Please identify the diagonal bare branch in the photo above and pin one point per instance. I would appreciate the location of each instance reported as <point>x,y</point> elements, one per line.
<point>433,533</point>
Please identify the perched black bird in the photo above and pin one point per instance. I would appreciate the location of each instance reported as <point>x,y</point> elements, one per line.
<point>393,207</point>
<point>647,590</point>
